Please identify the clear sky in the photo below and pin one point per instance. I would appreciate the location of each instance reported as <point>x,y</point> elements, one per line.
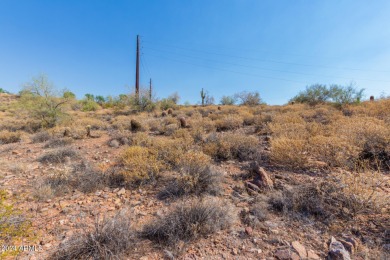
<point>275,47</point>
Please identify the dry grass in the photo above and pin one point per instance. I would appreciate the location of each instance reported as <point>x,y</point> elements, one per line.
<point>109,239</point>
<point>140,165</point>
<point>189,221</point>
<point>231,146</point>
<point>41,137</point>
<point>60,155</point>
<point>58,142</point>
<point>7,137</point>
<point>196,177</point>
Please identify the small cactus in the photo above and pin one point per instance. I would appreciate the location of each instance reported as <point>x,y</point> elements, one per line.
<point>371,98</point>
<point>183,122</point>
<point>170,111</point>
<point>88,128</point>
<point>163,114</point>
<point>135,125</point>
<point>219,108</point>
<point>67,132</point>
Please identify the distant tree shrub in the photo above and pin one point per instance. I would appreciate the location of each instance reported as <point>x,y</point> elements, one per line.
<point>3,91</point>
<point>227,100</point>
<point>69,95</point>
<point>100,100</point>
<point>169,102</point>
<point>248,98</point>
<point>319,94</point>
<point>40,100</point>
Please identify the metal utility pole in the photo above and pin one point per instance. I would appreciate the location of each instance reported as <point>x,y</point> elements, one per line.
<point>150,89</point>
<point>137,71</point>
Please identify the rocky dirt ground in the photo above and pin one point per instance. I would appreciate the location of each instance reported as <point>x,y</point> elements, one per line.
<point>57,219</point>
<point>259,231</point>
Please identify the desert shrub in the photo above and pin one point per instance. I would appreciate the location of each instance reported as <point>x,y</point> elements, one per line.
<point>231,146</point>
<point>256,213</point>
<point>319,94</point>
<point>94,123</point>
<point>82,177</point>
<point>248,118</point>
<point>289,152</point>
<point>109,239</point>
<point>141,139</point>
<point>334,198</point>
<point>58,142</point>
<point>140,165</point>
<point>169,151</point>
<point>248,98</point>
<point>135,125</point>
<point>196,177</point>
<point>333,150</point>
<point>229,122</point>
<point>190,220</point>
<point>228,100</point>
<point>41,137</point>
<point>89,105</point>
<point>58,156</point>
<point>168,130</point>
<point>7,137</point>
<point>370,135</point>
<point>86,178</point>
<point>121,122</point>
<point>13,225</point>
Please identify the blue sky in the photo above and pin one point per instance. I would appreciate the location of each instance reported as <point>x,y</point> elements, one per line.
<point>274,47</point>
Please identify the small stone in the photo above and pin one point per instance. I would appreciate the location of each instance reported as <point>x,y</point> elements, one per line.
<point>235,251</point>
<point>121,192</point>
<point>301,250</point>
<point>286,254</point>
<point>249,231</point>
<point>337,251</point>
<point>114,143</point>
<point>312,255</point>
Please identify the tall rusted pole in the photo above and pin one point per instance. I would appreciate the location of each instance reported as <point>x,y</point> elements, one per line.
<point>150,89</point>
<point>137,71</point>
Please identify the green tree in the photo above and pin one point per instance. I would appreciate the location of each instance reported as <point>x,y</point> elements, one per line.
<point>3,91</point>
<point>313,95</point>
<point>100,100</point>
<point>69,95</point>
<point>41,100</point>
<point>227,100</point>
<point>90,97</point>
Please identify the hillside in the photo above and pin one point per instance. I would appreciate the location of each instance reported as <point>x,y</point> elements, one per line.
<point>214,182</point>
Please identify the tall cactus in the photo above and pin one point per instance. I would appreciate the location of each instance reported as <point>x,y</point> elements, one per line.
<point>203,96</point>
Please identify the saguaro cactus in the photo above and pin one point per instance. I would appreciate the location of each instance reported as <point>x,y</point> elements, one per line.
<point>203,96</point>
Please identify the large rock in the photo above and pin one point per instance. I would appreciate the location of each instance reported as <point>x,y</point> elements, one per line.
<point>262,178</point>
<point>301,250</point>
<point>337,251</point>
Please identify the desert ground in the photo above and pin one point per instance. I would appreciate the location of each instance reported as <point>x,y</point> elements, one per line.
<point>196,182</point>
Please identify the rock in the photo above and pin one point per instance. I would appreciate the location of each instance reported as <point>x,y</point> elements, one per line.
<point>348,245</point>
<point>252,186</point>
<point>114,143</point>
<point>121,192</point>
<point>301,250</point>
<point>168,255</point>
<point>311,255</point>
<point>249,231</point>
<point>337,251</point>
<point>261,176</point>
<point>286,254</point>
